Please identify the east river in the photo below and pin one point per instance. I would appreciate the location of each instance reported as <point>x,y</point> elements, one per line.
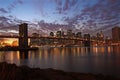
<point>104,60</point>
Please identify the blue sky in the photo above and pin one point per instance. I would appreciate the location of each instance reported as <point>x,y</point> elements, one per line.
<point>81,15</point>
<point>48,10</point>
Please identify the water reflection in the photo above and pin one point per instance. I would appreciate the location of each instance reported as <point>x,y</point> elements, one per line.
<point>23,54</point>
<point>77,59</point>
<point>10,56</point>
<point>116,49</point>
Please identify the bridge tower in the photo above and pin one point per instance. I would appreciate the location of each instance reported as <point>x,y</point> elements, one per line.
<point>23,33</point>
<point>87,41</point>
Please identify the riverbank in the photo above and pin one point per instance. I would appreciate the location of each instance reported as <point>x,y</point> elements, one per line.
<point>13,72</point>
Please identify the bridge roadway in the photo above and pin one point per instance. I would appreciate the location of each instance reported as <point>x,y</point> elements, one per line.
<point>43,37</point>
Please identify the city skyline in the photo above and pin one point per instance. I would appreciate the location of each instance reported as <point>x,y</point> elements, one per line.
<point>74,38</point>
<point>44,16</point>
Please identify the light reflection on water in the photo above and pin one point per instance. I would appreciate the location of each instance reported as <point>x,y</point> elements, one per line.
<point>104,60</point>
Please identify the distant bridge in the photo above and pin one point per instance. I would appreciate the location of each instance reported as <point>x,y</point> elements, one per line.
<point>23,37</point>
<point>44,37</point>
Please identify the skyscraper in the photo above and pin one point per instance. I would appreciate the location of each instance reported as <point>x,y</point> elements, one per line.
<point>23,33</point>
<point>116,33</point>
<point>69,33</point>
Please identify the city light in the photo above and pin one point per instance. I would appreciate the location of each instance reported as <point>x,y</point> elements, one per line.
<point>9,42</point>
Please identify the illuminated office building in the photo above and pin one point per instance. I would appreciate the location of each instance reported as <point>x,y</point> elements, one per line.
<point>116,33</point>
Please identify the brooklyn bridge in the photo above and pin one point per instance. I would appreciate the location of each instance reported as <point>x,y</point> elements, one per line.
<point>23,38</point>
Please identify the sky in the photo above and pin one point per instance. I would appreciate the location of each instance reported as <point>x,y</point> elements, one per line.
<point>44,16</point>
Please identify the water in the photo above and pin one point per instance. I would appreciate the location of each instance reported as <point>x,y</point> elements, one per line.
<point>105,60</point>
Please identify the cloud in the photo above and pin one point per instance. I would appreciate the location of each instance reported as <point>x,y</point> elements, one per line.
<point>14,4</point>
<point>4,21</point>
<point>102,14</point>
<point>66,5</point>
<point>103,10</point>
<point>40,6</point>
<point>2,10</point>
<point>59,6</point>
<point>9,25</point>
<point>62,6</point>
